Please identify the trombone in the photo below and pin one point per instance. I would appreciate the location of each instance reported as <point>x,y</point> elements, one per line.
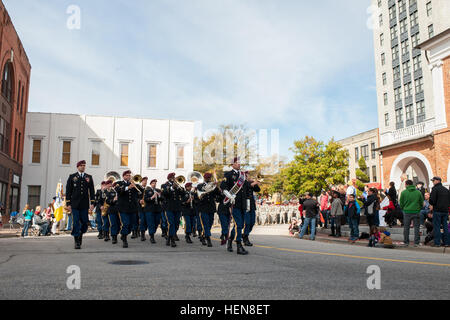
<point>136,180</point>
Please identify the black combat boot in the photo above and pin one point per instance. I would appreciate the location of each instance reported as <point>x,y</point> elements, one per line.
<point>208,240</point>
<point>194,234</point>
<point>240,249</point>
<point>223,240</point>
<point>164,234</point>
<point>172,242</point>
<point>230,245</point>
<point>114,239</point>
<point>152,239</point>
<point>175,237</point>
<point>168,241</point>
<point>247,242</point>
<point>125,242</point>
<point>77,243</point>
<point>143,236</point>
<point>107,238</point>
<point>100,235</point>
<point>333,232</point>
<point>80,239</point>
<point>188,239</point>
<point>133,234</point>
<point>203,241</point>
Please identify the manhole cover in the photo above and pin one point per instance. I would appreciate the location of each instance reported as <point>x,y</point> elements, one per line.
<point>128,262</point>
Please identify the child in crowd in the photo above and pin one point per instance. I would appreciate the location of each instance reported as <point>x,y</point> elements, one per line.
<point>386,239</point>
<point>374,236</point>
<point>294,227</point>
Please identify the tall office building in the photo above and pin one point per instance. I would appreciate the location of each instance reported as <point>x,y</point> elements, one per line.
<point>411,116</point>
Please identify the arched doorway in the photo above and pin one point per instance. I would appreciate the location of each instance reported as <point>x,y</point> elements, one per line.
<point>415,165</point>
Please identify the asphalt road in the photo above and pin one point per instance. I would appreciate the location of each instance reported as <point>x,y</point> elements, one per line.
<point>277,267</point>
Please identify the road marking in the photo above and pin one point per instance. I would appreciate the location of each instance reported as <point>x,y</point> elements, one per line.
<point>352,256</point>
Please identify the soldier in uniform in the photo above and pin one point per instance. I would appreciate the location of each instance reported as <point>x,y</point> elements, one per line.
<point>172,193</point>
<point>239,206</point>
<point>80,198</point>
<point>142,222</point>
<point>128,202</point>
<point>224,211</point>
<point>250,216</point>
<point>152,209</point>
<point>99,200</point>
<point>112,219</point>
<point>188,209</point>
<point>207,208</point>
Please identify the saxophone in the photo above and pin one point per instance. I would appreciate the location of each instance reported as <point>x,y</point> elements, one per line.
<point>105,206</point>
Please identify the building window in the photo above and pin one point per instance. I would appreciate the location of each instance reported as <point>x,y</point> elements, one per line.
<point>403,26</point>
<point>36,155</point>
<point>381,20</point>
<point>420,111</point>
<point>396,72</point>
<point>18,96</point>
<point>395,51</point>
<point>374,174</point>
<point>430,31</point>
<point>399,116</point>
<point>385,97</point>
<point>398,94</point>
<point>95,155</point>
<point>415,40</point>
<point>429,9</point>
<point>14,199</point>
<point>381,39</point>
<point>21,100</point>
<point>365,152</point>
<point>19,148</point>
<point>4,136</point>
<point>124,149</point>
<point>392,13</point>
<point>34,196</point>
<point>406,68</point>
<point>393,32</point>
<point>401,6</point>
<point>408,90</point>
<point>372,149</point>
<point>66,152</point>
<point>417,61</point>
<point>386,119</point>
<point>379,3</point>
<point>8,82</point>
<point>356,154</point>
<point>15,144</point>
<point>180,157</point>
<point>383,59</point>
<point>414,18</point>
<point>152,155</point>
<point>384,79</point>
<point>405,47</point>
<point>419,85</point>
<point>409,115</point>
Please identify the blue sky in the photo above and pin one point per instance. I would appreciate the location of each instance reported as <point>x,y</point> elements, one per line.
<point>303,67</point>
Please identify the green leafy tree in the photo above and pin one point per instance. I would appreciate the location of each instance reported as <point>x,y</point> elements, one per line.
<point>316,166</point>
<point>361,177</point>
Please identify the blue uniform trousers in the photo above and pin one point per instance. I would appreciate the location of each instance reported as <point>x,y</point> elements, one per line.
<point>188,223</point>
<point>164,225</point>
<point>128,221</point>
<point>98,220</point>
<point>152,220</point>
<point>225,220</point>
<point>249,222</point>
<point>238,217</point>
<point>114,221</point>
<point>80,222</point>
<point>135,223</point>
<point>173,222</point>
<point>142,221</point>
<point>207,220</point>
<point>106,223</point>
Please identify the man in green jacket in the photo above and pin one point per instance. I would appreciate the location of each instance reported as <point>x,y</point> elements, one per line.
<point>411,202</point>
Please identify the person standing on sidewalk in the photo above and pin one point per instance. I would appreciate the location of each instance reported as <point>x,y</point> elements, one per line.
<point>411,202</point>
<point>311,207</point>
<point>28,216</point>
<point>352,211</point>
<point>336,214</point>
<point>440,202</point>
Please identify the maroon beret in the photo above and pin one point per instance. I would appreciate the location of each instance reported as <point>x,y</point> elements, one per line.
<point>154,180</point>
<point>236,159</point>
<point>126,172</point>
<point>108,182</point>
<point>187,185</point>
<point>81,163</point>
<point>171,176</point>
<point>144,178</point>
<point>103,183</point>
<point>207,176</point>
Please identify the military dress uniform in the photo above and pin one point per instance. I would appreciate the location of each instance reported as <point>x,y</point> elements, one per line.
<point>111,222</point>
<point>207,208</point>
<point>80,195</point>
<point>99,201</point>
<point>173,196</point>
<point>142,221</point>
<point>152,209</point>
<point>238,209</point>
<point>128,202</point>
<point>250,215</point>
<point>188,211</point>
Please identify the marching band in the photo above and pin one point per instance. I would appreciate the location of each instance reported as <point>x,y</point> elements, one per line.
<point>130,206</point>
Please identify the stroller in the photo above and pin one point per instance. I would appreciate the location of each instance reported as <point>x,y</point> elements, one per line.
<point>392,216</point>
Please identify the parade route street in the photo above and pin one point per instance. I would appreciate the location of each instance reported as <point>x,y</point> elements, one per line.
<point>278,267</point>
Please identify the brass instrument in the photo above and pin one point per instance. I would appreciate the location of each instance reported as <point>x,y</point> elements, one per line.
<point>105,206</point>
<point>136,180</point>
<point>209,187</point>
<point>195,178</point>
<point>179,182</point>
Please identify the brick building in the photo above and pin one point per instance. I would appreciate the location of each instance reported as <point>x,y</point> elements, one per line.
<point>15,72</point>
<point>429,152</point>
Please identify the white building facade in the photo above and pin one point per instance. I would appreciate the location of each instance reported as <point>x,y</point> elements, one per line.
<point>54,143</point>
